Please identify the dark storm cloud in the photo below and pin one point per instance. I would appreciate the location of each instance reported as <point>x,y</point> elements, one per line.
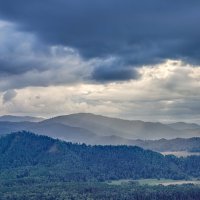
<point>108,26</point>
<point>136,32</point>
<point>103,74</point>
<point>16,66</point>
<point>20,52</point>
<point>114,72</point>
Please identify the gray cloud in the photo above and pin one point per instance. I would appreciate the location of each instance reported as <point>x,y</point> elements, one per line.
<point>20,52</point>
<point>134,33</point>
<point>166,92</point>
<point>138,32</point>
<point>114,72</point>
<point>24,61</point>
<point>9,95</point>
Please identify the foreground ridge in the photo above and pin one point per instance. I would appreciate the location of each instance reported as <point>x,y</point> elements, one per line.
<point>72,162</point>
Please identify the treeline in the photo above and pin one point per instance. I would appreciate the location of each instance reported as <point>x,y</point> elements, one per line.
<point>97,191</point>
<point>25,155</point>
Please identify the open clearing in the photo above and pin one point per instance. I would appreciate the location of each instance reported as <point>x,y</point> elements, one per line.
<point>164,182</point>
<point>181,153</point>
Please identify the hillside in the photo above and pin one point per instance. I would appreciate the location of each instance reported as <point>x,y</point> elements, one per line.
<point>26,154</point>
<point>55,130</point>
<point>163,145</point>
<point>58,128</point>
<point>106,126</point>
<point>100,129</point>
<point>184,126</point>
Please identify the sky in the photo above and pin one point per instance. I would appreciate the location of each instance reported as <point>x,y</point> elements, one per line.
<point>120,58</point>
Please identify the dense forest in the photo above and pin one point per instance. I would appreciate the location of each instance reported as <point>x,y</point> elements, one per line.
<point>95,191</point>
<point>31,156</point>
<point>38,167</point>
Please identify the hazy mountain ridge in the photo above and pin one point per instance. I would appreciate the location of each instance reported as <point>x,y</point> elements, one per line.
<point>93,129</point>
<point>135,129</point>
<point>184,126</point>
<point>178,144</point>
<point>54,130</point>
<point>12,118</point>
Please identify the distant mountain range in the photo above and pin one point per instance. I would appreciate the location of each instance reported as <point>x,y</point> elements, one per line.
<point>184,126</point>
<point>95,129</point>
<point>131,129</point>
<point>11,118</point>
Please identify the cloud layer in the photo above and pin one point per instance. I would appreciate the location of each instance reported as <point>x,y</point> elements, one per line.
<point>125,58</point>
<point>24,61</point>
<point>166,92</point>
<point>132,33</point>
<point>139,32</point>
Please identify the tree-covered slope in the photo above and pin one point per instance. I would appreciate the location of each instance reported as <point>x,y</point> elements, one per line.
<point>31,155</point>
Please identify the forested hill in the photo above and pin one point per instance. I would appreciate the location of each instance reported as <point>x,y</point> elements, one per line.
<point>35,155</point>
